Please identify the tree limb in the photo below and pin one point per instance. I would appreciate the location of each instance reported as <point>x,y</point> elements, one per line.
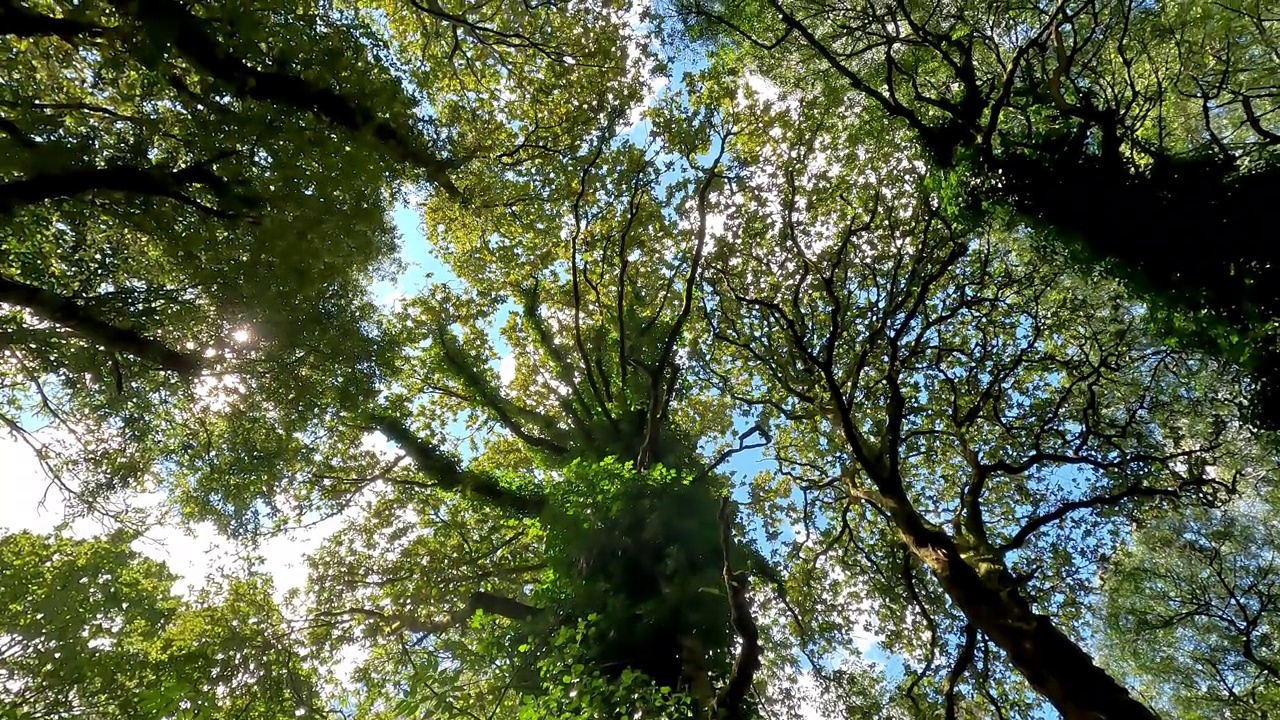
<point>154,181</point>
<point>731,704</point>
<point>1011,73</point>
<point>1039,522</point>
<point>15,19</point>
<point>742,447</point>
<point>173,25</point>
<point>1255,122</point>
<point>62,310</point>
<point>450,476</point>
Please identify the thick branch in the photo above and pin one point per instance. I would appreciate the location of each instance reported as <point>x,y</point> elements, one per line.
<point>154,181</point>
<point>175,26</point>
<point>510,415</point>
<point>450,476</point>
<point>1039,522</point>
<point>64,311</point>
<point>1256,123</point>
<point>21,21</point>
<point>1053,664</point>
<point>565,371</point>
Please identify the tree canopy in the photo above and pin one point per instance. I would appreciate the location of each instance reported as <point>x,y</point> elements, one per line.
<point>772,360</point>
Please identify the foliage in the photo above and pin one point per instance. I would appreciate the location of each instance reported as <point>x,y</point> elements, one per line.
<point>1200,588</point>
<point>746,335</point>
<point>583,692</point>
<point>1158,118</point>
<point>649,575</point>
<point>611,579</point>
<point>949,387</point>
<point>92,629</point>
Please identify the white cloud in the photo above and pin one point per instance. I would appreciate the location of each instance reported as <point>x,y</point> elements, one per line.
<point>284,556</point>
<point>193,552</point>
<point>30,501</point>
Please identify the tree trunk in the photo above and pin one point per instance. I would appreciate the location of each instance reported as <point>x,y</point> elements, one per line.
<point>1054,665</point>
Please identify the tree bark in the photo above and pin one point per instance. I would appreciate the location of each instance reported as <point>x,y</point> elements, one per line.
<point>733,703</point>
<point>64,311</point>
<point>1054,665</point>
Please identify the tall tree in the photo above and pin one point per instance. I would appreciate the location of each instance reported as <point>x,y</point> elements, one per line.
<point>588,505</point>
<point>992,409</point>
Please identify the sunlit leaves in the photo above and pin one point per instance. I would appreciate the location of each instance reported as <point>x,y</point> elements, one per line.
<point>90,628</point>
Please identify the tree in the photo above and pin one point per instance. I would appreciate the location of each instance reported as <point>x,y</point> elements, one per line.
<point>1200,591</point>
<point>976,401</point>
<point>1157,118</point>
<point>92,629</point>
<point>160,157</point>
<point>144,192</point>
<point>586,515</point>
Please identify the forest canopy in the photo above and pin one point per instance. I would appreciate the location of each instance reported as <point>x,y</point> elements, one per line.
<point>597,359</point>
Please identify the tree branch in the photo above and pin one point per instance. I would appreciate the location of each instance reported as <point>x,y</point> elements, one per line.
<point>62,310</point>
<point>1129,493</point>
<point>450,476</point>
<point>507,413</point>
<point>890,105</point>
<point>742,447</point>
<point>1011,73</point>
<point>155,181</point>
<point>1255,122</point>
<point>173,25</point>
<point>21,21</point>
